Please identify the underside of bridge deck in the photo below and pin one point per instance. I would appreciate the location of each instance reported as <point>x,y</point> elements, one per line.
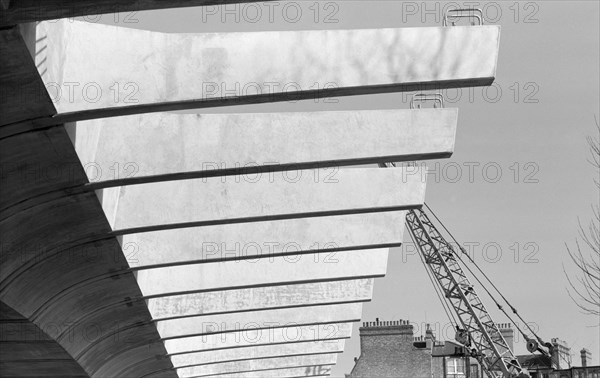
<point>143,243</point>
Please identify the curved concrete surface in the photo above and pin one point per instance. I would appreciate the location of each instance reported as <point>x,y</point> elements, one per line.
<point>22,93</point>
<point>33,165</point>
<point>49,164</point>
<point>27,351</point>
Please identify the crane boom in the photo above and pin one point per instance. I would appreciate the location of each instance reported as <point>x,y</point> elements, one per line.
<point>479,332</point>
<point>476,330</point>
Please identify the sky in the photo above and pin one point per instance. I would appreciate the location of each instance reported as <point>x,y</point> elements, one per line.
<point>519,179</point>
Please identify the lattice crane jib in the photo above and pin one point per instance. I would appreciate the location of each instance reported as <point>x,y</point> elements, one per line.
<point>478,331</point>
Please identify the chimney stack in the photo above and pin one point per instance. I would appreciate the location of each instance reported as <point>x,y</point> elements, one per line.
<point>585,357</point>
<point>508,333</point>
<point>429,338</point>
<point>561,354</point>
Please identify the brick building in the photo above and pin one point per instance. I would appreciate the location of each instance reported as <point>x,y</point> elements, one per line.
<point>390,349</point>
<point>559,366</point>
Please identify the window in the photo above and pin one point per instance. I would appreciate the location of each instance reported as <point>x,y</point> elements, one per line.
<point>474,371</point>
<point>455,368</point>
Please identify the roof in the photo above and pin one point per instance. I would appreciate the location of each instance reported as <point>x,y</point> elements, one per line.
<point>535,361</point>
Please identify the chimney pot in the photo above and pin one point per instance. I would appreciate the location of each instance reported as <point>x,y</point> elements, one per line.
<point>585,357</point>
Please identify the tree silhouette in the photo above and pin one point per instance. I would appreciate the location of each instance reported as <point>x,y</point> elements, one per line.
<point>584,288</point>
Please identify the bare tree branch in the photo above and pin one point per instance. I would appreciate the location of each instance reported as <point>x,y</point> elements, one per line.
<point>584,289</point>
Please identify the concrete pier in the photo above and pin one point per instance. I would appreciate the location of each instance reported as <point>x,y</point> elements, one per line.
<point>265,319</point>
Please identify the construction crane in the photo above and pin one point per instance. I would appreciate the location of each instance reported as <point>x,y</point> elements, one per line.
<point>475,328</point>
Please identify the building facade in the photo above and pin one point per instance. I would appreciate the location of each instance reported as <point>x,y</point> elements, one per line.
<point>391,349</point>
<point>559,366</point>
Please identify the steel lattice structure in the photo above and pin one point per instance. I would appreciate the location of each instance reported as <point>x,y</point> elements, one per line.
<point>480,332</point>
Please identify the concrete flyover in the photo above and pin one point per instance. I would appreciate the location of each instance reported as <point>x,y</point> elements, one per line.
<point>237,247</point>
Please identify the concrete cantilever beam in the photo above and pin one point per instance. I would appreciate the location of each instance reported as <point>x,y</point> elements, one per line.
<point>252,338</point>
<point>256,67</point>
<point>58,301</point>
<point>288,322</point>
<point>180,204</point>
<point>319,238</point>
<point>205,145</point>
<point>316,371</point>
<point>224,323</point>
<point>268,321</point>
<point>227,368</point>
<point>260,298</point>
<point>151,207</point>
<point>62,299</point>
<point>257,352</point>
<point>189,146</point>
<point>21,286</point>
<point>284,372</point>
<point>278,271</point>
